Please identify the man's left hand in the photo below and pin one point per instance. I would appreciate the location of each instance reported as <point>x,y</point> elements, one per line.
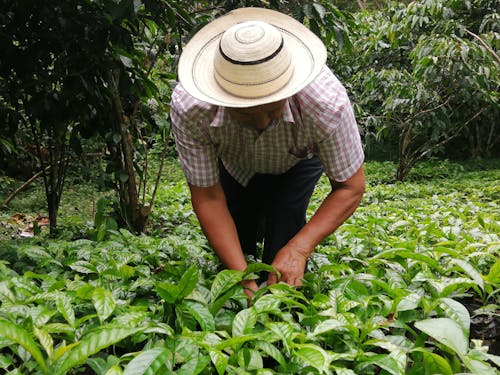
<point>290,263</point>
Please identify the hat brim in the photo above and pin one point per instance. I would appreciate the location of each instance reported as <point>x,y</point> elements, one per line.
<point>196,68</point>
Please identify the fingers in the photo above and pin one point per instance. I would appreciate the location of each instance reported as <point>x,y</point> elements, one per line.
<point>293,280</point>
<point>272,278</point>
<point>250,287</point>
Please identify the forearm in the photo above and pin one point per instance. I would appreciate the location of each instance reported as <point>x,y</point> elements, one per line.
<point>216,222</point>
<point>337,207</point>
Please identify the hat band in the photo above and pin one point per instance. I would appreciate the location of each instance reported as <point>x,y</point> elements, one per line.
<point>255,89</point>
<point>253,62</point>
<point>285,74</point>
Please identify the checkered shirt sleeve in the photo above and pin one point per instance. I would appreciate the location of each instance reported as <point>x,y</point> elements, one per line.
<point>197,154</point>
<point>326,109</point>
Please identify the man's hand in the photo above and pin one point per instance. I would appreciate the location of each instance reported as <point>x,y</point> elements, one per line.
<point>250,288</point>
<point>290,262</point>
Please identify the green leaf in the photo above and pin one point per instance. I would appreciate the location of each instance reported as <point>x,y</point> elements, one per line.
<point>91,344</point>
<point>244,322</point>
<point>478,367</point>
<point>458,312</point>
<point>409,302</point>
<point>114,370</point>
<point>45,339</point>
<point>267,303</point>
<point>63,304</point>
<point>167,291</point>
<point>271,350</point>
<point>283,331</point>
<point>313,355</point>
<point>327,326</point>
<point>494,274</point>
<point>104,303</point>
<point>219,360</point>
<point>249,359</point>
<point>446,331</point>
<point>188,282</point>
<point>201,314</point>
<point>471,271</point>
<point>147,362</point>
<point>5,362</point>
<point>385,362</point>
<point>19,335</point>
<point>194,365</point>
<point>224,281</point>
<point>435,364</point>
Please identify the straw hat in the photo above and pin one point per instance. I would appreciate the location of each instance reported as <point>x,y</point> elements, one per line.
<point>249,57</point>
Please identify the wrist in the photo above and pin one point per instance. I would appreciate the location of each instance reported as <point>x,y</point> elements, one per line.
<point>300,248</point>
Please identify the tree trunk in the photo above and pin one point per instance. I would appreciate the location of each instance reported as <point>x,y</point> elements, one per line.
<point>135,214</point>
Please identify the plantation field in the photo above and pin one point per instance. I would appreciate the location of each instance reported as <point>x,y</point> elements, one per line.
<point>408,285</point>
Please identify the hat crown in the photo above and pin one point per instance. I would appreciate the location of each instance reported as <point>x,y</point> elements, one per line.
<point>252,41</point>
<point>252,60</point>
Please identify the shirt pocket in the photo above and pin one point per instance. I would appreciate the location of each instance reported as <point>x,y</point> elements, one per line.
<point>303,152</point>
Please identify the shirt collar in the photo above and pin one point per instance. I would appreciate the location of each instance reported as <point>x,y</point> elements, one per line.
<point>222,116</point>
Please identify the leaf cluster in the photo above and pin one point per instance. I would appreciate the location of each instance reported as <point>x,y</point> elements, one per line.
<point>398,289</point>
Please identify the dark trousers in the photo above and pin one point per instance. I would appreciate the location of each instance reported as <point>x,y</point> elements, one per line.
<point>271,208</point>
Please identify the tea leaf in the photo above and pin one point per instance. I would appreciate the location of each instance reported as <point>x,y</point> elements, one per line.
<point>250,359</point>
<point>219,360</point>
<point>201,314</point>
<point>168,291</point>
<point>147,362</point>
<point>267,303</point>
<point>114,370</point>
<point>327,326</point>
<point>494,274</point>
<point>384,361</point>
<point>224,281</point>
<point>5,362</point>
<point>104,303</point>
<point>194,365</point>
<point>45,339</point>
<point>19,335</point>
<point>458,312</point>
<point>313,355</point>
<point>478,367</point>
<point>271,350</point>
<point>446,331</point>
<point>409,302</point>
<point>188,282</point>
<point>91,344</point>
<point>471,271</point>
<point>63,304</point>
<point>64,349</point>
<point>244,322</point>
<point>435,364</point>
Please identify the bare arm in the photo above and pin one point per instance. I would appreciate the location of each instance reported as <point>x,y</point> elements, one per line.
<point>209,204</point>
<point>337,207</point>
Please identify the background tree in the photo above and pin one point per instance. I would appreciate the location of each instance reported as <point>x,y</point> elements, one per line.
<point>78,70</point>
<point>425,74</point>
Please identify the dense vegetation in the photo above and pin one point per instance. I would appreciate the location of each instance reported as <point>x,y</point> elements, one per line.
<point>103,267</point>
<point>409,285</point>
<point>94,79</point>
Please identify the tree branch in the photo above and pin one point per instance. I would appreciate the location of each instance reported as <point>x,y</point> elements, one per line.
<point>484,44</point>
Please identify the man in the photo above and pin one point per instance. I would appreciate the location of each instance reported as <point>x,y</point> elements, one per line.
<point>257,118</point>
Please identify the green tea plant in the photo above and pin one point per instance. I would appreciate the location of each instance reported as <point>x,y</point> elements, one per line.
<point>396,290</point>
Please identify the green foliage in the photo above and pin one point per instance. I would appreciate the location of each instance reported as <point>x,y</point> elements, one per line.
<point>389,292</point>
<point>426,75</point>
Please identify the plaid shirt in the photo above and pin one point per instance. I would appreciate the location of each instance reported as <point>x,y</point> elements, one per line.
<point>318,120</point>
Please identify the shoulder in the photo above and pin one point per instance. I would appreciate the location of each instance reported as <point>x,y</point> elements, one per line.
<point>324,100</point>
<point>190,108</point>
<point>324,91</point>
